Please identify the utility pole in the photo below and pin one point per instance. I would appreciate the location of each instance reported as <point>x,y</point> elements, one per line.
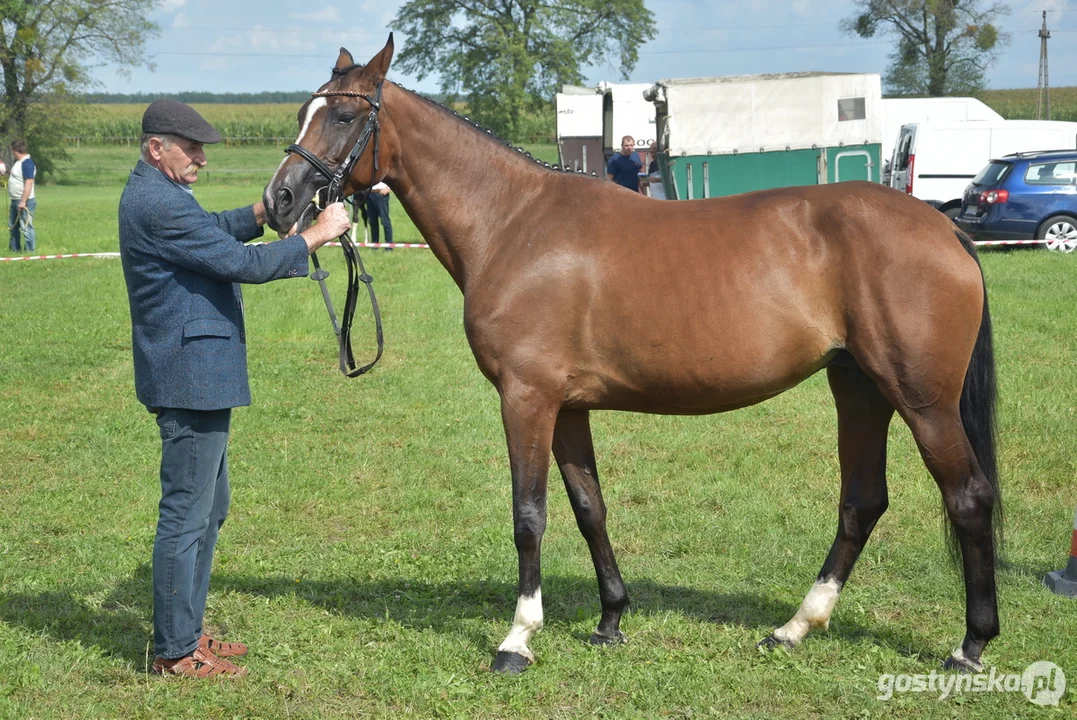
<point>1044,87</point>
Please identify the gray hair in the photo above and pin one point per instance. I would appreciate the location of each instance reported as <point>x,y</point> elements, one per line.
<point>166,141</point>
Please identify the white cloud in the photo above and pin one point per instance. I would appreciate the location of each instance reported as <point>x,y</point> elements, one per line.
<point>171,5</point>
<point>180,21</point>
<point>383,11</point>
<point>214,64</point>
<point>1054,8</point>
<point>327,14</point>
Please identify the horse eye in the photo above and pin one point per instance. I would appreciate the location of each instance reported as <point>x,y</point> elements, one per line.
<point>346,119</point>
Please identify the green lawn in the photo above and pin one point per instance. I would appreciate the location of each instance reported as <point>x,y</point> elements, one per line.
<point>369,561</point>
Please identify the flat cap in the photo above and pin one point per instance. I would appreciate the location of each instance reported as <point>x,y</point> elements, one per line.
<point>171,117</point>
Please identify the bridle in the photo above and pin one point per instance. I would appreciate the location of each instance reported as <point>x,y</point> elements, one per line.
<point>332,193</point>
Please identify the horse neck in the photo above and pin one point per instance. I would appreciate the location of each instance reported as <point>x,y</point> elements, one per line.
<point>457,184</point>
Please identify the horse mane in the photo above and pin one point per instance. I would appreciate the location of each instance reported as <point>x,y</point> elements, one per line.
<point>486,132</point>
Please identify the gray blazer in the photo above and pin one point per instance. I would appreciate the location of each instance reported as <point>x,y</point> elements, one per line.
<point>182,265</point>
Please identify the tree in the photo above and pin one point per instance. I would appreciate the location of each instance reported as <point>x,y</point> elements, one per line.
<point>509,57</point>
<point>944,46</point>
<point>46,47</point>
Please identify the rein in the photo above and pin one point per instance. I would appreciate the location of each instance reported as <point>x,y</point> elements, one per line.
<point>23,219</point>
<point>356,272</point>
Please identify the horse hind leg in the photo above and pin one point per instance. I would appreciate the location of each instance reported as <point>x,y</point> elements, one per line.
<point>969,498</point>
<point>863,419</point>
<point>575,454</point>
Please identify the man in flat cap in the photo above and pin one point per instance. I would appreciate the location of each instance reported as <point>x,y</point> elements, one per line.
<point>183,267</point>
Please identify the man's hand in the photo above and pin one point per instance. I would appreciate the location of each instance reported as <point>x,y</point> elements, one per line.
<point>259,209</point>
<point>332,223</point>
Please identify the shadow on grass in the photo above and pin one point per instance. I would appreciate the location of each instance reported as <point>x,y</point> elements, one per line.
<point>121,625</point>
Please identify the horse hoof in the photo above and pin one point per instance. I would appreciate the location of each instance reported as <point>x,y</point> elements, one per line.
<point>510,663</point>
<point>772,641</point>
<point>618,638</point>
<point>962,665</point>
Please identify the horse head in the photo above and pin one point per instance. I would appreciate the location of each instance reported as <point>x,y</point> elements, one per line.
<point>339,125</point>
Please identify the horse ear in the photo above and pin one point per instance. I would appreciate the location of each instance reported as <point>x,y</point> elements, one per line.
<point>379,64</point>
<point>344,60</point>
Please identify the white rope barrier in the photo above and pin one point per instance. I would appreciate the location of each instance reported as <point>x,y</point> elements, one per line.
<point>59,257</point>
<point>412,246</point>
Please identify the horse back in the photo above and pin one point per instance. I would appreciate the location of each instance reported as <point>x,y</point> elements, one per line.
<point>698,306</point>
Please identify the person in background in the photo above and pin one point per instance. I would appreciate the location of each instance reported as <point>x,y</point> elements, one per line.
<point>624,166</point>
<point>22,203</point>
<point>654,181</point>
<point>182,266</point>
<point>377,208</point>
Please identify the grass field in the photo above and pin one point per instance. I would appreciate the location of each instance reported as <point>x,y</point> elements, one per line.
<point>369,560</point>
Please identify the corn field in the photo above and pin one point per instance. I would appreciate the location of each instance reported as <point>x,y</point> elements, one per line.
<point>1021,104</point>
<point>259,124</point>
<point>240,124</point>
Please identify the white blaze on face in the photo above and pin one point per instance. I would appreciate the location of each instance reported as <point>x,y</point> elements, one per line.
<point>527,622</point>
<point>814,612</point>
<point>315,105</point>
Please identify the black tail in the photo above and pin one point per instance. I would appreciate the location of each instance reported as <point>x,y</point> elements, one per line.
<point>978,400</point>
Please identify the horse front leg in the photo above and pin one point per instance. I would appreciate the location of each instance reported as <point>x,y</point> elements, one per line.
<point>529,415</point>
<point>574,451</point>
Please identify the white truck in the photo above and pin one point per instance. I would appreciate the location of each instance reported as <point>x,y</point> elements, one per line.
<point>902,111</point>
<point>935,161</point>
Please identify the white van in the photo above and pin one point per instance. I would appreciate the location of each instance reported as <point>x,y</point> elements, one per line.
<point>936,161</point>
<point>902,111</point>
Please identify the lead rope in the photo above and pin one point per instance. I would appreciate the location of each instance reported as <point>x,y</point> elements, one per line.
<point>356,271</point>
<point>356,274</point>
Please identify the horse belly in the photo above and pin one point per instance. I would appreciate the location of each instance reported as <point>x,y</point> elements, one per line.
<point>696,374</point>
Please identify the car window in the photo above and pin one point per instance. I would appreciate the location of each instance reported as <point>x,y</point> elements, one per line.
<point>1053,173</point>
<point>903,151</point>
<point>992,174</point>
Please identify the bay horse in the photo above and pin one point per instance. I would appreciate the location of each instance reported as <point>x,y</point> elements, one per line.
<point>580,295</point>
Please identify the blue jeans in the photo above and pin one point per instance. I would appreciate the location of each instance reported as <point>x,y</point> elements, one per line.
<point>194,504</point>
<point>21,225</point>
<point>377,208</point>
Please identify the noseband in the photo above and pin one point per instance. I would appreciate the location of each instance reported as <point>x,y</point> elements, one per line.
<point>356,272</point>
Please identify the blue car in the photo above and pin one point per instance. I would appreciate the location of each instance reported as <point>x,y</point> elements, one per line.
<point>1023,198</point>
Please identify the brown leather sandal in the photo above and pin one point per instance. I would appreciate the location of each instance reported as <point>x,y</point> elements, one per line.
<point>199,664</point>
<point>222,649</point>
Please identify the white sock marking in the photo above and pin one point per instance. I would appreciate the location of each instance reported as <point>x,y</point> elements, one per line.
<point>814,612</point>
<point>959,655</point>
<point>527,622</point>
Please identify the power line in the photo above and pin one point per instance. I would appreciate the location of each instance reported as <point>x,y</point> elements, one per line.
<point>379,32</point>
<point>641,52</point>
<point>305,31</point>
<point>360,31</point>
<point>758,49</point>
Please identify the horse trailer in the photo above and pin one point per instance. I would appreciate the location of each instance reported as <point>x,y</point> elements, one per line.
<point>579,129</point>
<point>729,135</point>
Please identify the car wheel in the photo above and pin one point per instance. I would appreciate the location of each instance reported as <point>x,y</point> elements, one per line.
<point>952,212</point>
<point>1059,232</point>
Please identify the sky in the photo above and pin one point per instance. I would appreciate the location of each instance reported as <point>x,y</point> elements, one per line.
<point>271,45</point>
